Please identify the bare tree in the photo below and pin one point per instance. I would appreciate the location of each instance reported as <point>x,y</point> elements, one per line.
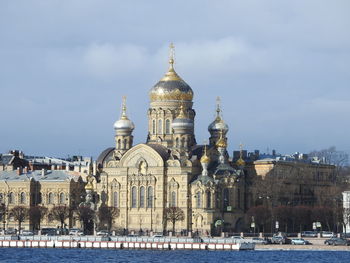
<point>86,215</point>
<point>283,216</point>
<point>60,213</point>
<point>106,214</point>
<point>173,214</point>
<point>20,214</point>
<point>2,211</point>
<point>301,216</point>
<point>36,215</point>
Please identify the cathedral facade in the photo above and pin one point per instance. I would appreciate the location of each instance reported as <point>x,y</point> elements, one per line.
<point>170,169</point>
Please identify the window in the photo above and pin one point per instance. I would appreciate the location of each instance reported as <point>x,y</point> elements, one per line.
<point>50,201</point>
<point>150,197</point>
<point>142,196</point>
<point>173,199</point>
<point>125,144</point>
<point>160,128</point>
<point>115,199</point>
<point>133,197</point>
<point>199,199</point>
<point>183,142</point>
<point>119,144</point>
<point>23,198</point>
<point>208,199</point>
<point>153,126</point>
<point>1,198</point>
<point>239,198</point>
<point>226,198</point>
<point>62,198</point>
<point>11,198</point>
<point>167,126</point>
<point>177,142</point>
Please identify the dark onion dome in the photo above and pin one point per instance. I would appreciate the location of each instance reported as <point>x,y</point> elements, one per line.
<point>218,125</point>
<point>171,86</point>
<point>182,122</point>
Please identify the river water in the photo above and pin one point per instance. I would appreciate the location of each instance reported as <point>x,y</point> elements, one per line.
<point>100,255</point>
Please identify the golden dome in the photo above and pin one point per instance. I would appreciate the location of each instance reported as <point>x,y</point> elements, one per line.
<point>221,143</point>
<point>171,86</point>
<point>205,158</point>
<point>89,186</point>
<point>240,162</point>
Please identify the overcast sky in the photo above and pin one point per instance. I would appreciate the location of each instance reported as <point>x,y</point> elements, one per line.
<point>282,69</point>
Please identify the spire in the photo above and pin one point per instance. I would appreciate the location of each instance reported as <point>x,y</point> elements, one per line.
<point>205,158</point>
<point>124,117</point>
<point>218,108</point>
<point>240,162</point>
<point>171,56</point>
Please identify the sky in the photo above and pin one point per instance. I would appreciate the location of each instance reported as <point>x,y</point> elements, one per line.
<point>281,68</point>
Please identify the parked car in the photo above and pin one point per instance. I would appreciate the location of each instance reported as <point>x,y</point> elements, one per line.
<point>327,234</point>
<point>27,233</point>
<point>300,241</point>
<point>49,231</point>
<point>10,231</point>
<point>337,241</point>
<point>103,233</point>
<point>309,234</point>
<point>76,232</point>
<point>157,236</point>
<point>258,240</point>
<point>276,239</point>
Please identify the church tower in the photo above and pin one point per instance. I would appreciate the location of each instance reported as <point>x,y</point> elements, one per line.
<point>123,132</point>
<point>166,98</point>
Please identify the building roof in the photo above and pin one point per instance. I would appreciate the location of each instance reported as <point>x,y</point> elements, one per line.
<point>50,175</point>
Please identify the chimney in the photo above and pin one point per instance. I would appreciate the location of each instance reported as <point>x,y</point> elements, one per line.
<point>25,170</point>
<point>43,172</point>
<point>94,170</point>
<point>19,170</point>
<point>67,166</point>
<point>52,167</point>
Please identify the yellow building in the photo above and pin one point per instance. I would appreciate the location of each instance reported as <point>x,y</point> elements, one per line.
<point>45,188</point>
<point>170,169</point>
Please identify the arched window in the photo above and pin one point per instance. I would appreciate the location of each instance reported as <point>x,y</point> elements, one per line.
<point>173,199</point>
<point>150,197</point>
<point>23,198</point>
<point>11,198</point>
<point>167,126</point>
<point>125,144</point>
<point>183,142</point>
<point>133,197</point>
<point>119,144</point>
<point>177,142</point>
<point>199,199</point>
<point>226,198</point>
<point>115,199</point>
<point>160,127</point>
<point>50,201</point>
<point>62,198</point>
<point>208,199</point>
<point>142,196</point>
<point>153,126</point>
<point>1,198</point>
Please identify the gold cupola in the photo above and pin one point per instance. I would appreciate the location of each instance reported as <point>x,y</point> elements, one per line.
<point>205,158</point>
<point>240,162</point>
<point>221,143</point>
<point>171,87</point>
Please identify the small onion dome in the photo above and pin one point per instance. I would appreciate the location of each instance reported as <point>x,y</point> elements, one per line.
<point>124,124</point>
<point>218,125</point>
<point>240,162</point>
<point>221,143</point>
<point>182,121</point>
<point>89,186</point>
<point>205,159</point>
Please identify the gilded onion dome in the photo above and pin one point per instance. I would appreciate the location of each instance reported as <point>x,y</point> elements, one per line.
<point>205,158</point>
<point>89,186</point>
<point>218,125</point>
<point>221,143</point>
<point>124,124</point>
<point>171,86</point>
<point>240,162</point>
<point>182,121</point>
